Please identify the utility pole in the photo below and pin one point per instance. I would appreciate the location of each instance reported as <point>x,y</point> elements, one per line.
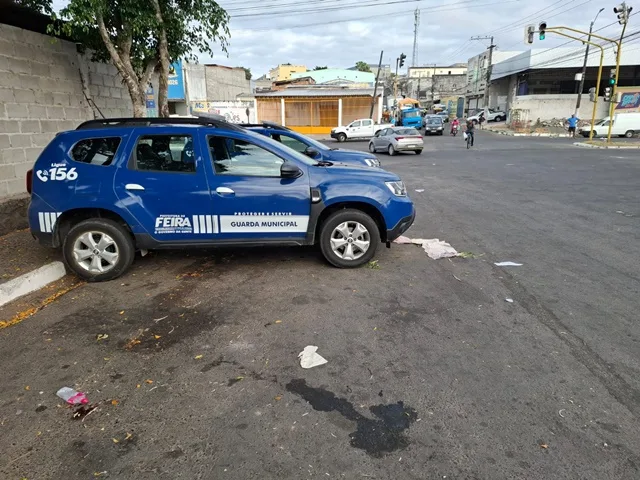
<point>488,80</point>
<point>584,65</point>
<point>375,88</point>
<point>416,24</point>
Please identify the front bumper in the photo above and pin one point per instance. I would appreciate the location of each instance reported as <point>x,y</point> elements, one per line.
<point>401,227</point>
<point>334,135</point>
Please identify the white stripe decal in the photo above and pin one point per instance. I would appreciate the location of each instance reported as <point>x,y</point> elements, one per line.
<point>47,222</point>
<point>263,223</point>
<point>209,226</point>
<point>54,217</point>
<point>41,220</point>
<point>196,229</point>
<point>215,223</point>
<point>203,227</point>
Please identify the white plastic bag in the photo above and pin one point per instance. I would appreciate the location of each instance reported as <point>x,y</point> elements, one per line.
<point>464,135</point>
<point>309,358</point>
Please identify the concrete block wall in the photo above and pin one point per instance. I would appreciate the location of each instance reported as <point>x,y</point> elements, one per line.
<point>41,93</point>
<point>225,83</point>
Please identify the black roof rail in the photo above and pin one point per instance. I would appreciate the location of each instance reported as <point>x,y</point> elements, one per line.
<point>266,124</point>
<point>202,119</point>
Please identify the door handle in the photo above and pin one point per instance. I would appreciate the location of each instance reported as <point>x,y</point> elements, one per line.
<point>133,186</point>
<point>224,190</point>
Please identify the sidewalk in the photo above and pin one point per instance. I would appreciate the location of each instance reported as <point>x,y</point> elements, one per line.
<point>620,144</point>
<point>541,132</point>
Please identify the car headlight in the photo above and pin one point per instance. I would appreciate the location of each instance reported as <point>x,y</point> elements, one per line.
<point>439,128</point>
<point>397,188</point>
<point>372,162</point>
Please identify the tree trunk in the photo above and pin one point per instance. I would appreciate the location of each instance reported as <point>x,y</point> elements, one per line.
<point>139,106</point>
<point>165,64</point>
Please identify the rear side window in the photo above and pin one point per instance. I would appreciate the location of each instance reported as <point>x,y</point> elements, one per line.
<point>165,153</point>
<point>96,151</point>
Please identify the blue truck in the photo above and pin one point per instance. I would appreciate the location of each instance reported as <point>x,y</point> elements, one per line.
<point>116,186</point>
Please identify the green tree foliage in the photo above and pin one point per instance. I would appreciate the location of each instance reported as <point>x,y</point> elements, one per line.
<point>141,36</point>
<point>363,67</point>
<point>247,73</point>
<point>40,6</point>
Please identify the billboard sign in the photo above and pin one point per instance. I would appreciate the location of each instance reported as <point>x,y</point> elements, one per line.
<point>176,81</point>
<point>629,102</point>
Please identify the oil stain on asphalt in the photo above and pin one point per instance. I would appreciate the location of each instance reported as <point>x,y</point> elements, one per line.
<point>377,437</point>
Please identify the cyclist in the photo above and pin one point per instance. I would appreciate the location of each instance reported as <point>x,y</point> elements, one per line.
<point>470,130</point>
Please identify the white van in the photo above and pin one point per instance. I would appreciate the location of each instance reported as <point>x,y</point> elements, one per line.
<point>624,125</point>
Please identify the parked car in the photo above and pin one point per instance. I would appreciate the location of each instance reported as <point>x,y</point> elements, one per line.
<point>433,125</point>
<point>115,186</point>
<point>312,148</point>
<point>624,125</point>
<point>362,128</point>
<point>492,116</point>
<point>397,139</point>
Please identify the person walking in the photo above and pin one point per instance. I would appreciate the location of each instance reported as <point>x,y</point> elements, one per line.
<point>573,124</point>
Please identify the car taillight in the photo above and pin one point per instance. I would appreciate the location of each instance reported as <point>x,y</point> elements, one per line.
<point>399,138</point>
<point>29,180</point>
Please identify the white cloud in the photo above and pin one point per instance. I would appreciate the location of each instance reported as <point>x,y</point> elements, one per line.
<point>340,38</point>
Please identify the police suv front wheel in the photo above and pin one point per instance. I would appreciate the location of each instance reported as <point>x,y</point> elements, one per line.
<point>98,249</point>
<point>349,238</point>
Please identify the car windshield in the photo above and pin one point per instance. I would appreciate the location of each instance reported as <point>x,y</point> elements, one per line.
<point>406,131</point>
<point>315,143</point>
<point>298,156</point>
<point>411,114</point>
<point>434,121</point>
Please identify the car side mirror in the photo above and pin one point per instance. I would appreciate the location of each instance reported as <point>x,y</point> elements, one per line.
<point>311,152</point>
<point>290,170</point>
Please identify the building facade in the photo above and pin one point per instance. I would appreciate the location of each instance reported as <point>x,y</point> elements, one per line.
<point>477,76</point>
<point>336,75</point>
<point>429,71</point>
<point>284,71</point>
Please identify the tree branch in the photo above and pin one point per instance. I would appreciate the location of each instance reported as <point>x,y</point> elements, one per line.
<point>125,68</point>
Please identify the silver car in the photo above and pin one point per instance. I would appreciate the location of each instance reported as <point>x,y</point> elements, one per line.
<point>397,139</point>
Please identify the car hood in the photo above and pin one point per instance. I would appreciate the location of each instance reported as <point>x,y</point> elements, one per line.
<point>343,152</point>
<point>351,171</point>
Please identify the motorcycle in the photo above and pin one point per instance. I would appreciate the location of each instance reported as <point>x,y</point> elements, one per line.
<point>454,130</point>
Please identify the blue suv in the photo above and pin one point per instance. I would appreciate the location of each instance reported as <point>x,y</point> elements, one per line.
<point>115,186</point>
<point>312,148</point>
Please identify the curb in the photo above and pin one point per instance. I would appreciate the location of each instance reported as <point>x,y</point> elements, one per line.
<point>618,147</point>
<point>513,134</point>
<point>30,282</point>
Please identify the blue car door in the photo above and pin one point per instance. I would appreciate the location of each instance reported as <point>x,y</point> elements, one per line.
<point>163,184</point>
<point>249,196</point>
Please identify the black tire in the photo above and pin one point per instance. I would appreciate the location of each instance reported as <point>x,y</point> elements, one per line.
<point>498,119</point>
<point>418,152</point>
<point>348,215</point>
<point>629,133</point>
<point>475,122</point>
<point>121,237</point>
<point>391,150</point>
<point>342,137</point>
<point>372,148</point>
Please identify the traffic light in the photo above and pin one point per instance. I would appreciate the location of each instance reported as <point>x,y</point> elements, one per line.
<point>528,33</point>
<point>612,77</point>
<point>542,29</point>
<point>623,13</point>
<point>607,94</point>
<point>592,94</point>
<point>402,57</point>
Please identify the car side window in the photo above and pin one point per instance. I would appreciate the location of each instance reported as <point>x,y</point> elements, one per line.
<point>96,151</point>
<point>355,124</point>
<point>165,153</point>
<point>239,158</point>
<point>290,142</point>
<point>367,123</point>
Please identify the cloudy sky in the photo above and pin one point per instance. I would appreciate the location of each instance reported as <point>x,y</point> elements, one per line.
<point>339,33</point>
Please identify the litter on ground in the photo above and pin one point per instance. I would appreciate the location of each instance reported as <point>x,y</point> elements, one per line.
<point>309,358</point>
<point>434,248</point>
<point>510,300</point>
<point>507,264</point>
<point>419,190</point>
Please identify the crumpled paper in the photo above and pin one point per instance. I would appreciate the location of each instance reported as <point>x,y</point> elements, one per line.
<point>309,358</point>
<point>434,248</point>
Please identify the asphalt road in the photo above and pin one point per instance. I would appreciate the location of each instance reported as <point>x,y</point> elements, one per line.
<point>431,373</point>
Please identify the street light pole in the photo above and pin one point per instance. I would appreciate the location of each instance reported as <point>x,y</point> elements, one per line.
<point>584,65</point>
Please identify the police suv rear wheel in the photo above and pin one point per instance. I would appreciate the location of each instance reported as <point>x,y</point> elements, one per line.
<point>98,249</point>
<point>349,238</point>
